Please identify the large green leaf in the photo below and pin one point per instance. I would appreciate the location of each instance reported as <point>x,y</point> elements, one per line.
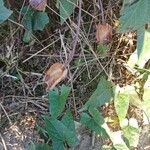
<point>102,94</point>
<point>57,101</point>
<point>121,103</point>
<point>66,8</point>
<point>94,123</point>
<point>134,15</point>
<point>59,132</point>
<point>40,19</point>
<point>4,12</point>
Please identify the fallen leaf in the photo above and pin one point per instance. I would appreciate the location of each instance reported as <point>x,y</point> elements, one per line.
<point>56,73</point>
<point>38,4</point>
<point>103,33</point>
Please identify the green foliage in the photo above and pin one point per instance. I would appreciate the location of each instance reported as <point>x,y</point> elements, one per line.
<point>102,94</point>
<point>145,53</point>
<point>132,135</point>
<point>94,121</point>
<point>4,12</point>
<point>134,16</point>
<point>57,101</point>
<point>58,131</point>
<point>33,21</point>
<point>33,146</point>
<point>62,130</point>
<point>121,103</point>
<point>66,8</point>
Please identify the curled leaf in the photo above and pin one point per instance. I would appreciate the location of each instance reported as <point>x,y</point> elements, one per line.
<point>38,4</point>
<point>103,33</point>
<point>56,73</point>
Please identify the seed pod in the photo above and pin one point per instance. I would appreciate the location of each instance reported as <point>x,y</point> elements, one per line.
<point>38,4</point>
<point>103,33</point>
<point>56,73</point>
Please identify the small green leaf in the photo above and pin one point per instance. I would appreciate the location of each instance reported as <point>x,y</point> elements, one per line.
<point>33,20</point>
<point>27,18</point>
<point>66,8</point>
<point>59,132</point>
<point>102,94</point>
<point>40,19</point>
<point>57,101</point>
<point>121,103</point>
<point>4,12</point>
<point>88,120</point>
<point>132,135</point>
<point>27,36</point>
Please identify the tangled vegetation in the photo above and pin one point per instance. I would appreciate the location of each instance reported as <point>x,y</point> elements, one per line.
<point>69,64</point>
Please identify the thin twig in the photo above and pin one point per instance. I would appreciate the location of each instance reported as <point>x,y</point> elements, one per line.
<point>4,144</point>
<point>77,34</point>
<point>41,50</point>
<point>101,10</point>
<point>6,113</point>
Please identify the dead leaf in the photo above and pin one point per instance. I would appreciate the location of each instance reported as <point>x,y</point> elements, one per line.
<point>38,4</point>
<point>56,73</point>
<point>103,33</point>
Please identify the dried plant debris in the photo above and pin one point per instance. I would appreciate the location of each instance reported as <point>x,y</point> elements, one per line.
<point>56,73</point>
<point>103,33</point>
<point>38,4</point>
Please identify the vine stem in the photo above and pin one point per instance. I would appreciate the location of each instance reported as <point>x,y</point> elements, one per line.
<point>71,55</point>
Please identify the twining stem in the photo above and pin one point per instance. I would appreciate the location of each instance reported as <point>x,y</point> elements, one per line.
<point>77,34</point>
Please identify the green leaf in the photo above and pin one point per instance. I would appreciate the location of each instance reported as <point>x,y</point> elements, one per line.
<point>27,36</point>
<point>59,132</point>
<point>27,18</point>
<point>132,135</point>
<point>66,8</point>
<point>4,12</point>
<point>40,19</point>
<point>134,15</point>
<point>121,103</point>
<point>57,101</point>
<point>58,145</point>
<point>121,147</point>
<point>33,20</point>
<point>143,51</point>
<point>102,94</point>
<point>68,121</point>
<point>93,123</point>
<point>98,118</point>
<point>43,147</point>
<point>33,146</point>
